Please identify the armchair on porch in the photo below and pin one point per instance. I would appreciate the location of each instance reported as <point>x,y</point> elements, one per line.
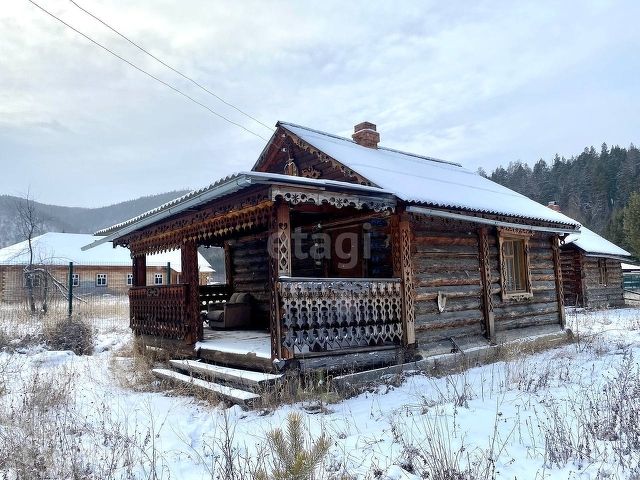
<point>236,313</point>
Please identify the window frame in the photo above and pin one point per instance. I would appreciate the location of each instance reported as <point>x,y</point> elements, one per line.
<point>603,273</point>
<point>129,280</point>
<point>75,279</point>
<point>106,280</point>
<point>157,276</point>
<point>522,258</point>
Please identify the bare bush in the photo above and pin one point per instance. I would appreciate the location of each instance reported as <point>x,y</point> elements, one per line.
<point>595,423</point>
<point>70,334</point>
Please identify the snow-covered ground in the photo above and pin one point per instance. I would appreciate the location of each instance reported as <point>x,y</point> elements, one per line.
<point>570,412</point>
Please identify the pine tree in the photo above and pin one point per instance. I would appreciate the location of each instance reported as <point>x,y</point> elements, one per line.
<point>632,223</point>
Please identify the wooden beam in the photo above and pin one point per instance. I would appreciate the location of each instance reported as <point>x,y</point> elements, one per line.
<point>139,271</point>
<point>485,275</point>
<point>189,260</point>
<point>555,246</point>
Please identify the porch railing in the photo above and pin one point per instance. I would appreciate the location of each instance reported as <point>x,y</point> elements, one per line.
<point>160,310</point>
<point>323,315</point>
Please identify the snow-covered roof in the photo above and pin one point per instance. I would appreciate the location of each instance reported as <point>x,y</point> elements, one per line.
<point>593,244</point>
<point>61,248</point>
<point>220,188</point>
<point>426,180</point>
<point>630,267</point>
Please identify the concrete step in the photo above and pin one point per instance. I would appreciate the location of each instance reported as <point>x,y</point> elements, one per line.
<point>234,395</point>
<point>236,376</point>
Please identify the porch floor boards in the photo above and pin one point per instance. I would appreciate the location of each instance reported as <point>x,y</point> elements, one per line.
<point>240,342</point>
<point>250,349</point>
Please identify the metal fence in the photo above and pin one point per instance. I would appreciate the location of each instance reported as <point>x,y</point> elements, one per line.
<point>98,293</point>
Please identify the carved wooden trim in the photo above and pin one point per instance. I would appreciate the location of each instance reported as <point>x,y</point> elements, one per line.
<point>485,275</point>
<point>311,173</point>
<point>323,315</point>
<point>512,234</point>
<point>160,311</point>
<point>323,157</point>
<point>557,267</point>
<point>296,196</point>
<point>219,219</point>
<point>283,240</point>
<point>408,286</point>
<point>274,300</point>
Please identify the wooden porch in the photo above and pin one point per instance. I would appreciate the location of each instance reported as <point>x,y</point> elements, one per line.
<point>345,303</point>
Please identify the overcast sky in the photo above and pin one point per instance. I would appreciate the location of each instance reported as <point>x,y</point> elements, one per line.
<point>480,83</point>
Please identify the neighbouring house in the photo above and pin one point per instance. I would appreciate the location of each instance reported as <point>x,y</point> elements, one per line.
<point>343,253</point>
<point>101,271</point>
<point>591,270</point>
<point>631,277</point>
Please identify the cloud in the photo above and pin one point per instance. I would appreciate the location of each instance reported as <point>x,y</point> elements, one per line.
<point>480,83</point>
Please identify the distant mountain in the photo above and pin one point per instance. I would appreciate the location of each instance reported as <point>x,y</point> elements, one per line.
<point>75,219</point>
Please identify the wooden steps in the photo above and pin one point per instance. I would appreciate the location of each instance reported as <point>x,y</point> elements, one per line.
<point>236,376</point>
<point>232,384</point>
<point>228,393</point>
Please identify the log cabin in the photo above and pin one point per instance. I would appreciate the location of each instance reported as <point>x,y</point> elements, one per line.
<point>350,255</point>
<point>101,271</point>
<point>592,271</point>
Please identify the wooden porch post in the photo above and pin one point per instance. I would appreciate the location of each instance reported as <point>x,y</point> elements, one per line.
<point>279,265</point>
<point>485,276</point>
<point>189,259</point>
<point>139,271</point>
<point>555,246</point>
<point>228,263</point>
<point>403,268</point>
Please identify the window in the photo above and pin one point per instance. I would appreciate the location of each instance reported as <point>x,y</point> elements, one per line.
<point>514,262</point>
<point>157,279</point>
<point>129,279</point>
<point>101,280</point>
<point>75,279</point>
<point>32,280</point>
<point>602,271</point>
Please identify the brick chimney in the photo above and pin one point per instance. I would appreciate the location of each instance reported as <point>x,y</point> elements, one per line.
<point>365,134</point>
<point>554,206</point>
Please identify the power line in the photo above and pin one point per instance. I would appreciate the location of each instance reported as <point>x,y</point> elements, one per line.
<point>168,85</point>
<point>175,70</point>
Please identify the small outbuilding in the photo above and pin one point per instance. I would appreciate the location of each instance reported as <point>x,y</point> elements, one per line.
<point>591,271</point>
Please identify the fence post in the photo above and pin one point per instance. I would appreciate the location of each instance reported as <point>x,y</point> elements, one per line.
<point>70,288</point>
<point>168,273</point>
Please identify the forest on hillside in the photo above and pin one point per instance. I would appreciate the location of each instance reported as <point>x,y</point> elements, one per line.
<point>599,189</point>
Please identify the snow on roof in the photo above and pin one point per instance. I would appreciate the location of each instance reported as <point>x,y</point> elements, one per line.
<point>61,248</point>
<point>592,243</point>
<point>630,267</point>
<point>225,186</point>
<point>426,180</point>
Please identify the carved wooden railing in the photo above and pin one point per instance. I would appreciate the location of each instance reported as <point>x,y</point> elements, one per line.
<point>326,315</point>
<point>160,311</point>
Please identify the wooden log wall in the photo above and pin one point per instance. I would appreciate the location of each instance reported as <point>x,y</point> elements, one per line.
<point>447,265</point>
<point>250,273</point>
<point>539,310</point>
<point>597,295</point>
<point>571,261</point>
<point>446,262</point>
